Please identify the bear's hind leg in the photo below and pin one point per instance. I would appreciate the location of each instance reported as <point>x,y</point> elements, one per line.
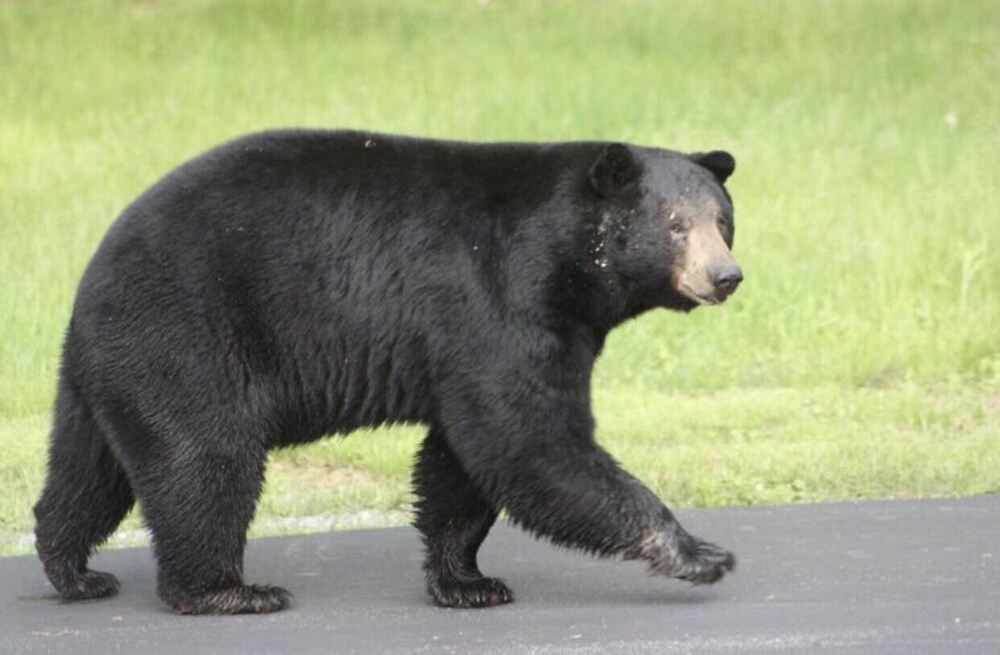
<point>454,519</point>
<point>198,504</point>
<point>86,496</point>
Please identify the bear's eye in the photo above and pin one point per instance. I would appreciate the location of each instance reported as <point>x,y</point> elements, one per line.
<point>676,227</point>
<point>726,229</point>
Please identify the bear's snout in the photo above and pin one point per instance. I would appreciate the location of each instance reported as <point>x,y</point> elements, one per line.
<point>707,272</point>
<point>725,279</point>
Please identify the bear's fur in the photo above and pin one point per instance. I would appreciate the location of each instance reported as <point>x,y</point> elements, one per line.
<point>294,284</point>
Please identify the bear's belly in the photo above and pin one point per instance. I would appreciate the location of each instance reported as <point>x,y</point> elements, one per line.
<point>365,388</point>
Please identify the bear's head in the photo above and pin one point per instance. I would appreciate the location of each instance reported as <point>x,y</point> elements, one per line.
<point>664,226</point>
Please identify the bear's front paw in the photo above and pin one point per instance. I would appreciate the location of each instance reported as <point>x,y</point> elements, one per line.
<point>476,592</point>
<point>704,562</point>
<point>676,554</point>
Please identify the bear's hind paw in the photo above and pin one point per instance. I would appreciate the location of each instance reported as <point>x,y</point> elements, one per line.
<point>89,585</point>
<point>245,599</point>
<point>477,592</point>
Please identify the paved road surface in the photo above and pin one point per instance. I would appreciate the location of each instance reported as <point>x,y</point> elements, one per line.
<point>903,577</point>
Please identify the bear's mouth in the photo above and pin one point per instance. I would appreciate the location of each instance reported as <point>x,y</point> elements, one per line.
<point>701,299</point>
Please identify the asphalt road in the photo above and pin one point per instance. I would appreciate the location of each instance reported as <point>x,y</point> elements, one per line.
<point>899,577</point>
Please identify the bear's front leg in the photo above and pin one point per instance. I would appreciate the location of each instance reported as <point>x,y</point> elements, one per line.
<point>527,445</point>
<point>453,519</point>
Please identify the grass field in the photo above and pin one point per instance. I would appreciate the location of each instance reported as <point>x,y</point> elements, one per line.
<point>861,357</point>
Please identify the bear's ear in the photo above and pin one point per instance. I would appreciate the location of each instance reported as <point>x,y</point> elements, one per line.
<point>615,170</point>
<point>719,162</point>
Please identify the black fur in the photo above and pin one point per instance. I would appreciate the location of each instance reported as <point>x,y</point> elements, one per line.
<point>719,162</point>
<point>294,284</point>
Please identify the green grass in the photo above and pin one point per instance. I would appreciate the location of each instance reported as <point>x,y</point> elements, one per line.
<point>861,357</point>
<point>694,449</point>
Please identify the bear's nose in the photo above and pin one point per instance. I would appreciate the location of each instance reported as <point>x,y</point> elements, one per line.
<point>726,278</point>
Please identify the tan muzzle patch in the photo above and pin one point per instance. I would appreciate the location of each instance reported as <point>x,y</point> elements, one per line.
<point>698,273</point>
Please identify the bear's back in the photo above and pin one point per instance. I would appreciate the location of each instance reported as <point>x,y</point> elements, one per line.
<point>325,267</point>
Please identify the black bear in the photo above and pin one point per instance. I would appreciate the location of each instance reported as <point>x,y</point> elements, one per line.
<point>295,284</point>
